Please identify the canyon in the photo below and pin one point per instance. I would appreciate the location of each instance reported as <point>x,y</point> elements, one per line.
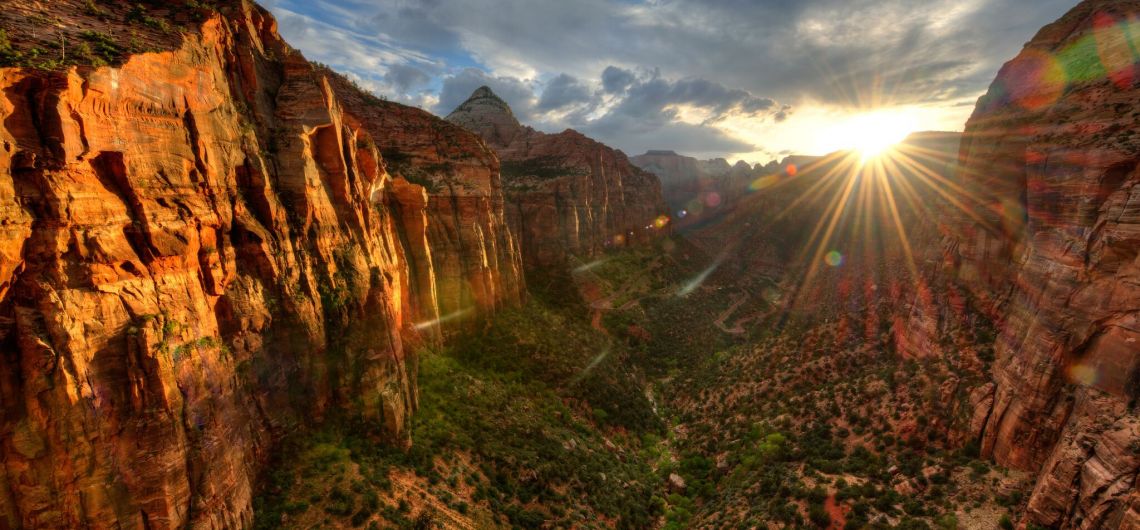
<point>209,245</point>
<point>237,290</point>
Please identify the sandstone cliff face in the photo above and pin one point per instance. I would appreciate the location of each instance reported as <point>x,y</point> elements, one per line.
<point>1048,245</point>
<point>566,194</point>
<point>200,250</point>
<point>447,173</point>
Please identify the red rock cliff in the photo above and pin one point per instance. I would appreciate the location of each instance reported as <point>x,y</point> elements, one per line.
<point>566,194</point>
<point>200,250</point>
<point>1048,243</point>
<point>449,173</point>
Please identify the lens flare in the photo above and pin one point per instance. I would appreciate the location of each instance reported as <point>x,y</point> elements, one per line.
<point>446,318</point>
<point>590,367</point>
<point>696,282</point>
<point>1115,50</point>
<point>1040,80</point>
<point>1083,374</point>
<point>591,265</point>
<point>764,182</point>
<point>833,258</point>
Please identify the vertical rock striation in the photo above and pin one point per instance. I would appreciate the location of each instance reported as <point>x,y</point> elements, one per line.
<point>449,176</point>
<point>201,250</point>
<point>1047,244</point>
<point>566,194</point>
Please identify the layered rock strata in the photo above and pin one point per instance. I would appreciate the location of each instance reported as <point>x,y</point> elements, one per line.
<point>1046,240</point>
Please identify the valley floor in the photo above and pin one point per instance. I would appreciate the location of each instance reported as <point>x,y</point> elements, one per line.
<point>630,395</point>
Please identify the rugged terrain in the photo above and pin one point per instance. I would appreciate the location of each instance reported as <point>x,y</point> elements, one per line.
<point>202,250</point>
<point>1048,242</point>
<point>566,193</point>
<point>236,290</point>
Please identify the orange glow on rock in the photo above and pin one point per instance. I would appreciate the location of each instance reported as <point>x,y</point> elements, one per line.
<point>1037,80</point>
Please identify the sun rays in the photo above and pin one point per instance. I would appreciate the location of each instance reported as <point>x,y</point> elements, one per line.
<point>871,134</point>
<point>869,216</point>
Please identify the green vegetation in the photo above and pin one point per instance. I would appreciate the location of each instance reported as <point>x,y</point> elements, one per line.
<point>9,56</point>
<point>542,168</point>
<point>517,425</point>
<point>98,49</point>
<point>523,427</point>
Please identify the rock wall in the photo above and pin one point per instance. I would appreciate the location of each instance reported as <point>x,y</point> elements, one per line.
<point>201,250</point>
<point>566,194</point>
<point>1046,241</point>
<point>449,173</point>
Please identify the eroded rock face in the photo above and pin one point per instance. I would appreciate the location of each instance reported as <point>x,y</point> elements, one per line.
<point>447,174</point>
<point>565,193</point>
<point>1048,245</point>
<point>201,250</point>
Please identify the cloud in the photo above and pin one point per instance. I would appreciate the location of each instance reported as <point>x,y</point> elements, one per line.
<point>564,91</point>
<point>405,78</point>
<point>831,50</point>
<point>642,111</point>
<point>654,97</point>
<point>616,79</point>
<point>577,63</point>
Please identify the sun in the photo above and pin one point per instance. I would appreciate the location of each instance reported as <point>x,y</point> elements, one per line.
<point>871,134</point>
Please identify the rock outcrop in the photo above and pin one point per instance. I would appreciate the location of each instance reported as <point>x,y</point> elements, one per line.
<point>566,195</point>
<point>200,251</point>
<point>471,261</point>
<point>1046,241</point>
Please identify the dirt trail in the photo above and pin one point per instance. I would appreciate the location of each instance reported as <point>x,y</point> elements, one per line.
<point>738,326</point>
<point>837,512</point>
<point>736,330</point>
<point>600,305</point>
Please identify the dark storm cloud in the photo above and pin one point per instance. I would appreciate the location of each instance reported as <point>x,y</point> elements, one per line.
<point>564,91</point>
<point>643,109</point>
<point>653,97</point>
<point>616,79</point>
<point>829,49</point>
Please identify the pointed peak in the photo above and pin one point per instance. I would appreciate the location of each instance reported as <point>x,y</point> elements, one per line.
<point>484,98</point>
<point>483,92</point>
<point>487,115</point>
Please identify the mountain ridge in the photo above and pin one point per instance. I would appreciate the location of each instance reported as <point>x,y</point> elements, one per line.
<point>567,194</point>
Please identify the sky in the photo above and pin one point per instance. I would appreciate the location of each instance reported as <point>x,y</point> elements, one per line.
<point>749,80</point>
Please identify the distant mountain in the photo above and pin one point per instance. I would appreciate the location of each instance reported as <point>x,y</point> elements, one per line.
<point>566,193</point>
